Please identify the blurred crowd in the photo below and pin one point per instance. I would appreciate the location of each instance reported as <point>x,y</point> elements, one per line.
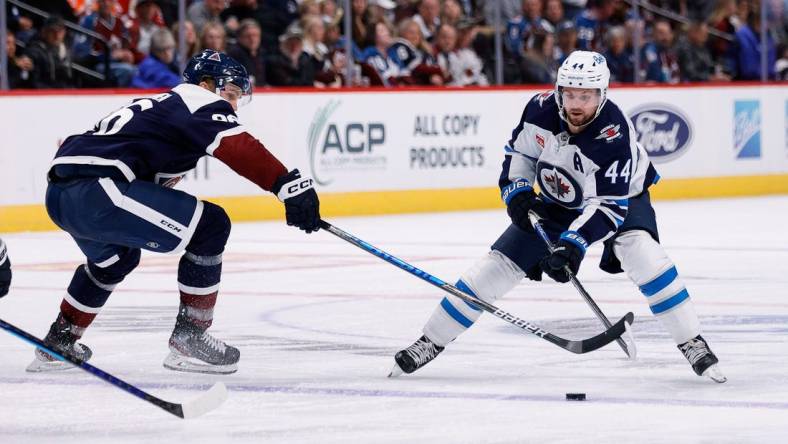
<point>393,42</point>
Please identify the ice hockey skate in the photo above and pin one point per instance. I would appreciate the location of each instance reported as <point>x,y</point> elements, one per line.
<point>61,338</point>
<point>193,349</point>
<point>702,359</point>
<point>415,357</point>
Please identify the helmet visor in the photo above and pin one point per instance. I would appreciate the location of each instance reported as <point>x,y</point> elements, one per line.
<point>235,88</point>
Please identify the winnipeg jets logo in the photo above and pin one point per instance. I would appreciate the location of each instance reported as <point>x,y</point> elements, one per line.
<point>610,133</point>
<point>559,185</point>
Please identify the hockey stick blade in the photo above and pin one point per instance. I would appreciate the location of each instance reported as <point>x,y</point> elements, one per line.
<point>581,346</point>
<point>624,344</point>
<point>204,403</point>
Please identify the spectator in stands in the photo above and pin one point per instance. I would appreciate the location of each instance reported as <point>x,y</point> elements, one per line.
<point>592,24</point>
<point>308,7</point>
<point>428,18</point>
<point>519,29</point>
<point>573,8</point>
<point>377,57</point>
<point>451,12</point>
<point>566,41</point>
<point>413,56</point>
<point>238,11</point>
<point>123,54</point>
<point>659,56</point>
<point>694,57</point>
<point>213,37</point>
<point>554,12</point>
<point>748,50</point>
<point>332,14</point>
<point>537,65</point>
<point>360,22</point>
<point>509,10</point>
<point>378,10</point>
<point>724,19</point>
<point>192,45</point>
<point>148,20</point>
<point>20,66</point>
<point>274,16</point>
<point>204,12</point>
<point>314,33</point>
<point>248,53</point>
<point>51,59</point>
<point>619,57</point>
<point>471,69</point>
<point>290,65</point>
<point>445,44</point>
<point>157,69</point>
<point>59,8</point>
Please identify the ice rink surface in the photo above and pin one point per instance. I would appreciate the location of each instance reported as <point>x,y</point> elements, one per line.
<point>318,322</point>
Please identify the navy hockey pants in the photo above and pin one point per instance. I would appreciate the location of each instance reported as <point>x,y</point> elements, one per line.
<point>526,249</point>
<point>106,217</point>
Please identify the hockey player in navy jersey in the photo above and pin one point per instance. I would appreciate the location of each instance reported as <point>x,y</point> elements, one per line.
<point>110,189</point>
<point>594,179</point>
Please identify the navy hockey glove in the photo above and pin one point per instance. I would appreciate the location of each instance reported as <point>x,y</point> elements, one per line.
<point>520,198</point>
<point>302,207</point>
<point>5,270</point>
<point>569,251</point>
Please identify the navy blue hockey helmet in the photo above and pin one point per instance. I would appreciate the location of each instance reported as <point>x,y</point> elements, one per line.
<point>220,68</point>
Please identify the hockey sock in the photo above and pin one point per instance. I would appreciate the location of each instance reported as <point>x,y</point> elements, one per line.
<point>650,268</point>
<point>198,281</point>
<point>488,279</point>
<point>91,286</point>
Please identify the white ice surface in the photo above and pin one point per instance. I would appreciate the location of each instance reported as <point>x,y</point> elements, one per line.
<point>318,322</point>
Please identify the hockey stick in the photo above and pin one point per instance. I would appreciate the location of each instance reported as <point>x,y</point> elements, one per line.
<point>581,346</point>
<point>629,347</point>
<point>204,403</point>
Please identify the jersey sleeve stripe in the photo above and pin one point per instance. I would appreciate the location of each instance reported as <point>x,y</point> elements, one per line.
<point>226,133</point>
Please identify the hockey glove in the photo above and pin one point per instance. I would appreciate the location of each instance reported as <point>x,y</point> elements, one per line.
<point>302,207</point>
<point>5,270</point>
<point>569,252</point>
<point>520,198</point>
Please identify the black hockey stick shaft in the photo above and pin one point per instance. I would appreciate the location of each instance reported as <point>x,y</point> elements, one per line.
<point>581,346</point>
<point>170,407</point>
<point>587,297</point>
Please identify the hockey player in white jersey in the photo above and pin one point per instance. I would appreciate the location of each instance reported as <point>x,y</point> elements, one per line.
<point>594,179</point>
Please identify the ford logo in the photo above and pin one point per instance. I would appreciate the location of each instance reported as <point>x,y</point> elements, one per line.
<point>663,131</point>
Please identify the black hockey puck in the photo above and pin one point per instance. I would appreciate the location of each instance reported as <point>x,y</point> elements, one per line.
<point>575,396</point>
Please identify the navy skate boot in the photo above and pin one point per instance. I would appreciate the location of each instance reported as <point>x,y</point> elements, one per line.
<point>415,357</point>
<point>62,339</point>
<point>193,349</point>
<point>702,359</point>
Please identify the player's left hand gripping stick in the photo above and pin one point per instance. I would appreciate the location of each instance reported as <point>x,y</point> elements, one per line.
<point>627,340</point>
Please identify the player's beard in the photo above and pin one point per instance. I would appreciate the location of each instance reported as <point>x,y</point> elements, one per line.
<point>578,120</point>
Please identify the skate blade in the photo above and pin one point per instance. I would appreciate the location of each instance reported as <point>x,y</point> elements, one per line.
<point>395,371</point>
<point>40,366</point>
<point>715,374</point>
<point>43,363</point>
<point>181,363</point>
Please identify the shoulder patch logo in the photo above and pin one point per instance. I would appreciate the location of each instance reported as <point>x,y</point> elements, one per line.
<point>539,140</point>
<point>610,133</point>
<point>216,57</point>
<point>544,96</point>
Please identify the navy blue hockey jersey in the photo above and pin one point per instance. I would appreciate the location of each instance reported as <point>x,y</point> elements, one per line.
<point>160,138</point>
<point>592,173</point>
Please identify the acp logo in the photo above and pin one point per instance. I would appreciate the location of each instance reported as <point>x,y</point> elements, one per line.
<point>343,147</point>
<point>664,131</point>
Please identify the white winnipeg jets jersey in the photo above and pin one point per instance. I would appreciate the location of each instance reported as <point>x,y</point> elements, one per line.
<point>592,173</point>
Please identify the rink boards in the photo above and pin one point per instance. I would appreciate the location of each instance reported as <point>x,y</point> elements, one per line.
<point>381,152</point>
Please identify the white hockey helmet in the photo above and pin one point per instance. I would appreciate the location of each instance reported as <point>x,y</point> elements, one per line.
<point>583,69</point>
